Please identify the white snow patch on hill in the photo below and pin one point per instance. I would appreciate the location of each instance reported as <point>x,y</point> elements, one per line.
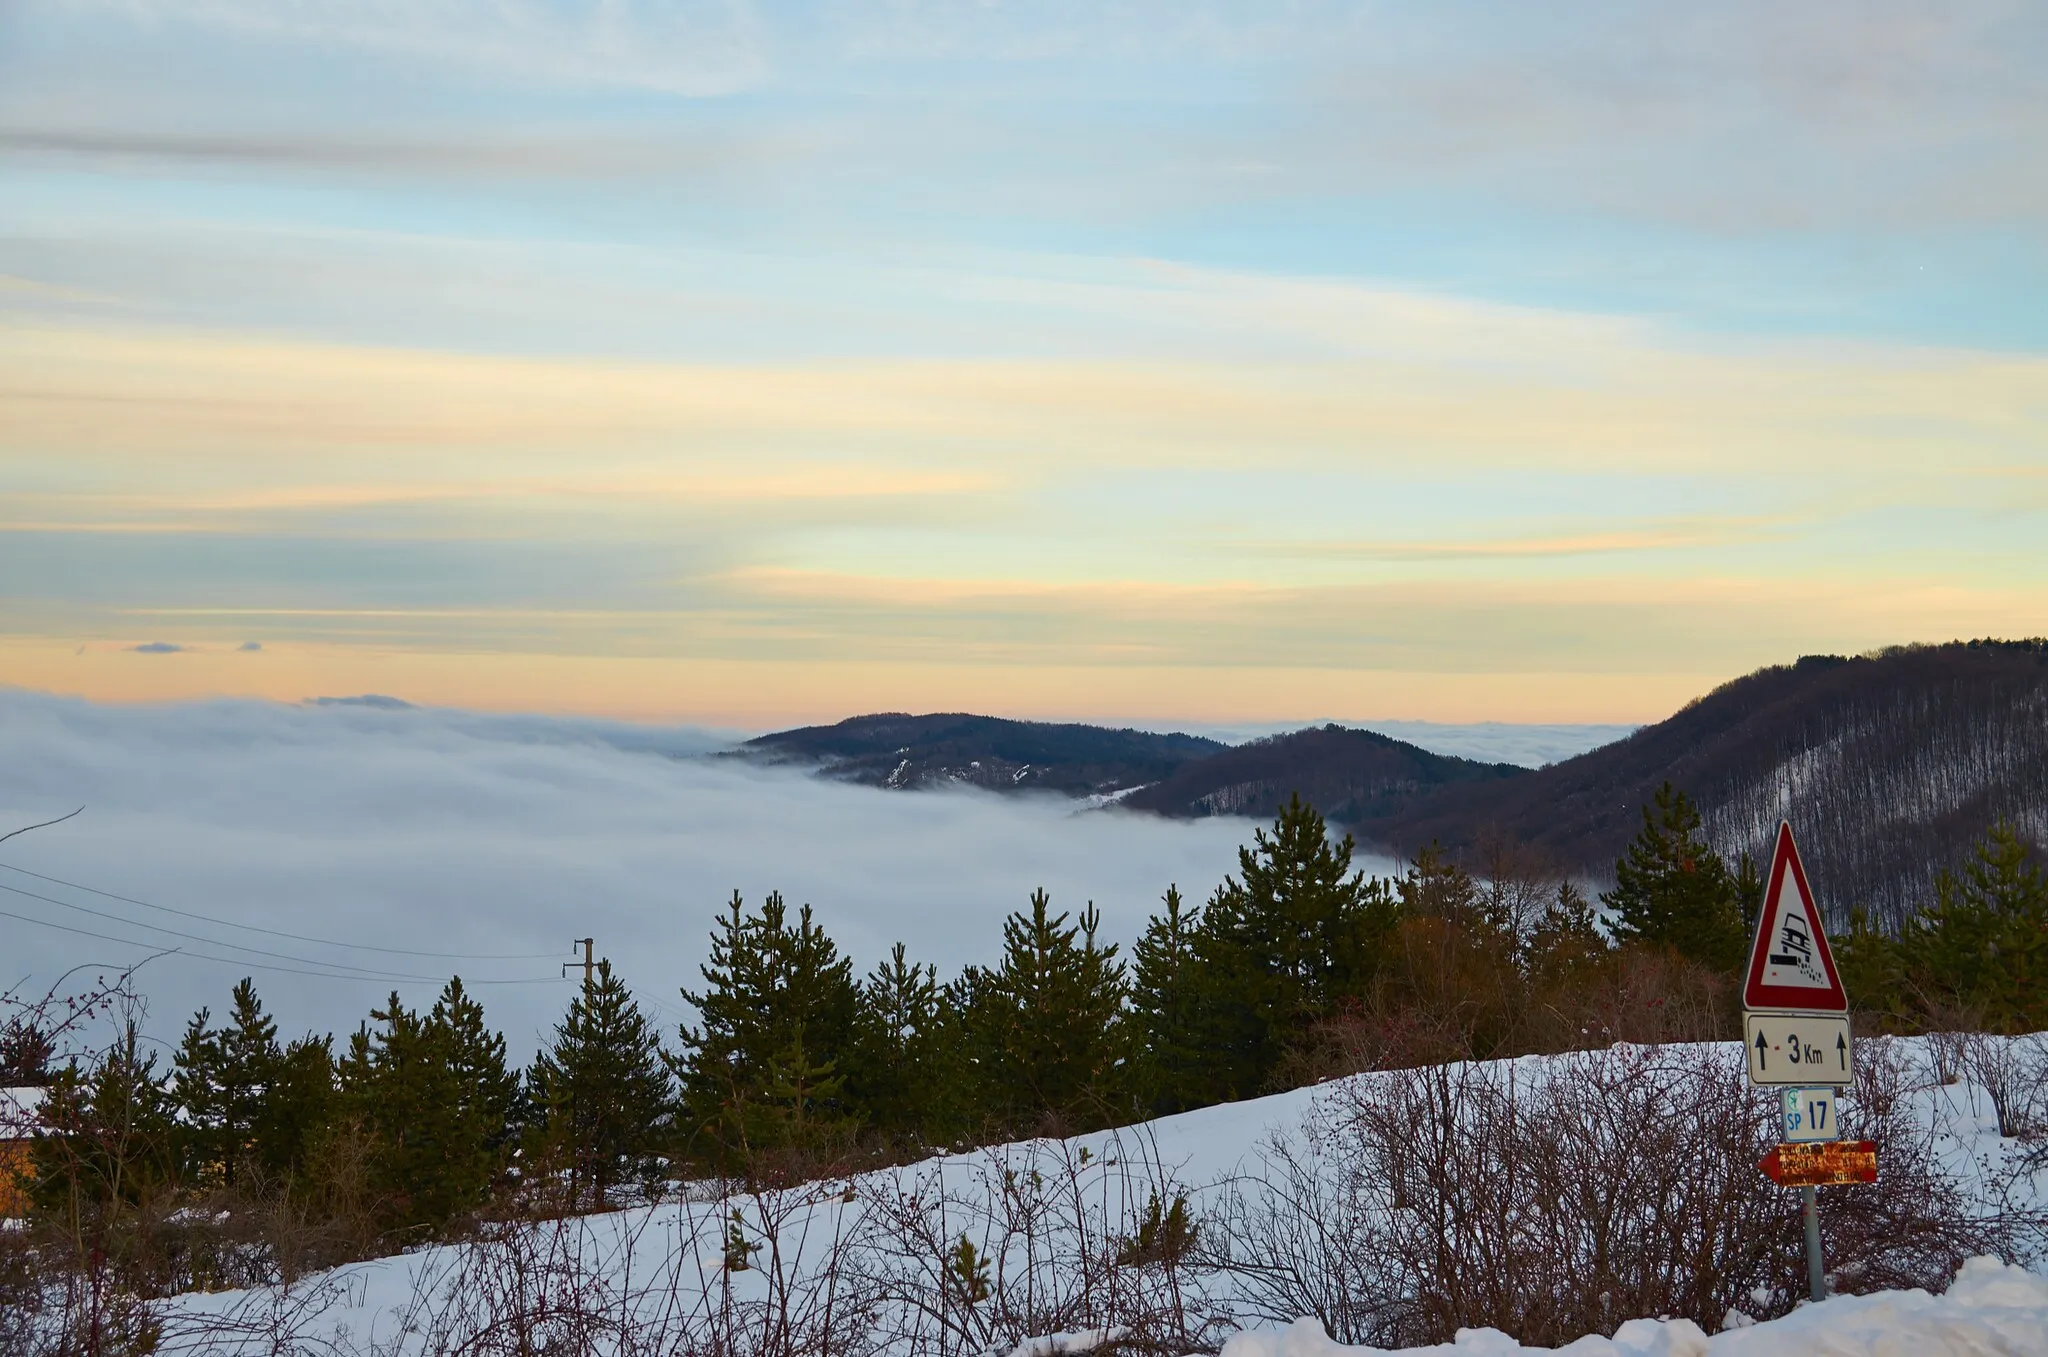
<point>1993,1310</point>
<point>661,1270</point>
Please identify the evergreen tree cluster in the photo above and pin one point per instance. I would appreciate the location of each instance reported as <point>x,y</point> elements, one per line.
<point>1298,966</point>
<point>1976,959</point>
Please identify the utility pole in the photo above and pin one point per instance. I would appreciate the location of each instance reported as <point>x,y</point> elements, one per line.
<point>588,964</point>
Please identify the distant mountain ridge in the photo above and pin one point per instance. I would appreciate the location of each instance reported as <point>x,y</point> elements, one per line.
<point>1890,766</point>
<point>1350,775</point>
<point>899,751</point>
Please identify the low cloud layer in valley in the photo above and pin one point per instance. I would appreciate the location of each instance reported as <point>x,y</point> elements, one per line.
<point>469,833</point>
<point>370,822</point>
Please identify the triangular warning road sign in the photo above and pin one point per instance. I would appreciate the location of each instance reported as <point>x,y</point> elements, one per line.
<point>1790,966</point>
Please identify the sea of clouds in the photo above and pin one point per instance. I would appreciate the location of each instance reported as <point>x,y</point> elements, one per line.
<point>500,837</point>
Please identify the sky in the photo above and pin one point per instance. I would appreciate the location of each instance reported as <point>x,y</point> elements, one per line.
<point>743,365</point>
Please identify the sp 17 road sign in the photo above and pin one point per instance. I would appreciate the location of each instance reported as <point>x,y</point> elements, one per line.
<point>1799,1048</point>
<point>1827,1165</point>
<point>1809,1114</point>
<point>1790,966</point>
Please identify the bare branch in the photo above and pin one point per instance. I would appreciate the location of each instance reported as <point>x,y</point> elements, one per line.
<point>44,825</point>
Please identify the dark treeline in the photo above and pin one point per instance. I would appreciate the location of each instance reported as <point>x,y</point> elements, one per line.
<point>1296,969</point>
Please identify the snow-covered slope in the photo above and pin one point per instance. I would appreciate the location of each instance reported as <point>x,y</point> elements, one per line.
<point>1058,1253</point>
<point>1993,1310</point>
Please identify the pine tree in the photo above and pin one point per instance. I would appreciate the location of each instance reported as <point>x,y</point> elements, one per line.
<point>299,1109</point>
<point>1166,996</point>
<point>25,1053</point>
<point>1983,945</point>
<point>1749,893</point>
<point>904,1078</point>
<point>1435,887</point>
<point>1567,940</point>
<point>395,1085</point>
<point>1284,943</point>
<point>603,1091</point>
<point>1872,965</point>
<point>195,1088</point>
<point>1046,1027</point>
<point>111,1136</point>
<point>223,1083</point>
<point>486,1091</point>
<point>1672,890</point>
<point>428,1088</point>
<point>765,1066</point>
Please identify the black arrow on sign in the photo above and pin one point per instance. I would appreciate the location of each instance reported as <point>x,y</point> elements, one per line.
<point>1760,1049</point>
<point>1842,1049</point>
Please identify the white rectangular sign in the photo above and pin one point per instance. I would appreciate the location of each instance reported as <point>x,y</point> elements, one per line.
<point>1810,1114</point>
<point>1799,1048</point>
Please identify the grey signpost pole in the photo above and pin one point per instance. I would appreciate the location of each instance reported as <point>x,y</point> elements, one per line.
<point>1816,1270</point>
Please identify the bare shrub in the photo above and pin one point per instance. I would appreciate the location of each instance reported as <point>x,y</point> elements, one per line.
<point>765,1273</point>
<point>1950,1024</point>
<point>1916,1225</point>
<point>1553,1199</point>
<point>2012,1074</point>
<point>1372,1036</point>
<point>985,1251</point>
<point>1298,1235</point>
<point>87,1269</point>
<point>1657,997</point>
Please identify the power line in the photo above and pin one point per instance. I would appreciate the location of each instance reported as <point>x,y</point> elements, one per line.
<point>373,976</point>
<point>273,932</point>
<point>367,971</point>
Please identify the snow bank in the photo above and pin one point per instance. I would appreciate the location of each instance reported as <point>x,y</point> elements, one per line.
<point>1045,1215</point>
<point>1993,1310</point>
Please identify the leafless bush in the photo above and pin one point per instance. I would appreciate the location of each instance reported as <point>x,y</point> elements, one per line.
<point>1373,1036</point>
<point>1655,996</point>
<point>1950,1025</point>
<point>2012,1074</point>
<point>286,1320</point>
<point>1918,1223</point>
<point>764,1273</point>
<point>1298,1235</point>
<point>1553,1199</point>
<point>982,1252</point>
<point>83,1274</point>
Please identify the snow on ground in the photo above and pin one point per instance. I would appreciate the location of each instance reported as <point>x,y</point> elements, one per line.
<point>1994,1309</point>
<point>664,1262</point>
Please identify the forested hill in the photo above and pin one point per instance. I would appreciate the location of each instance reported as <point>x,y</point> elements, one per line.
<point>1351,776</point>
<point>898,751</point>
<point>1888,766</point>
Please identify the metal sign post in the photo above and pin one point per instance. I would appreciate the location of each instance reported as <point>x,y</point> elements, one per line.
<point>1795,1031</point>
<point>1816,1270</point>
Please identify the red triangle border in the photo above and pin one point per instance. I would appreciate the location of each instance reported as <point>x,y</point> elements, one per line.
<point>1755,993</point>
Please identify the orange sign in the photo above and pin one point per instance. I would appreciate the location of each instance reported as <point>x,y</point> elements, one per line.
<point>1826,1164</point>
